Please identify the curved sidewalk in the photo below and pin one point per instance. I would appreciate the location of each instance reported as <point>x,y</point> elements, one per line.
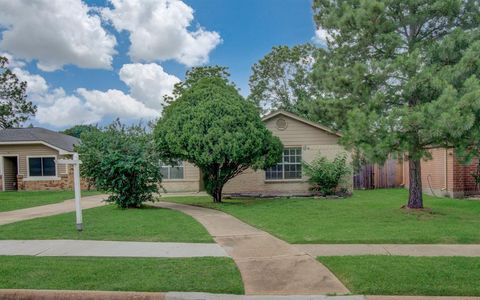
<point>13,216</point>
<point>268,265</point>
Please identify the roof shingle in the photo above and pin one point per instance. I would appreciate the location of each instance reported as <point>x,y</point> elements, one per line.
<point>37,134</point>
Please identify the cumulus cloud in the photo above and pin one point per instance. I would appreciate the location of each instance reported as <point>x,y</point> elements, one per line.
<point>148,83</point>
<point>56,33</point>
<point>60,109</point>
<point>66,110</point>
<point>116,103</point>
<point>159,30</point>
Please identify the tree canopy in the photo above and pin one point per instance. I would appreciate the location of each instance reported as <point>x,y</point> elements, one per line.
<point>281,79</point>
<point>14,106</point>
<point>402,76</point>
<point>78,130</point>
<point>212,126</point>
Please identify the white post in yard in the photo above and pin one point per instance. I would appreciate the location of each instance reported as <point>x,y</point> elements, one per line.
<point>76,183</point>
<point>76,186</point>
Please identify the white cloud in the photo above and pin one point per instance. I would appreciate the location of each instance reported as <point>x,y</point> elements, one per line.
<point>159,30</point>
<point>56,33</point>
<point>148,83</point>
<point>36,84</point>
<point>66,111</point>
<point>116,104</point>
<point>59,109</point>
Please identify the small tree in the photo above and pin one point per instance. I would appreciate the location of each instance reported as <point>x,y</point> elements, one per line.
<point>122,161</point>
<point>326,176</point>
<point>14,106</point>
<point>213,127</point>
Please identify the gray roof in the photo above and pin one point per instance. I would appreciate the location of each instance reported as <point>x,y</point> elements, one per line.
<point>37,134</point>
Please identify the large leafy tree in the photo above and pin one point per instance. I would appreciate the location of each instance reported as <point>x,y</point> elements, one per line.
<point>192,76</point>
<point>212,126</point>
<point>404,76</point>
<point>14,106</point>
<point>280,80</point>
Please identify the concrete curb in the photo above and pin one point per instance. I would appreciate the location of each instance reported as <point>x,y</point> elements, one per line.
<point>20,294</point>
<point>16,294</point>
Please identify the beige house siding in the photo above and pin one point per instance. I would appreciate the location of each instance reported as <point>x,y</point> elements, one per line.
<point>62,179</point>
<point>24,151</point>
<point>189,183</point>
<point>311,139</point>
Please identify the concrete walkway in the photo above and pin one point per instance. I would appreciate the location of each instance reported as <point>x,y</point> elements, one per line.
<point>269,266</point>
<point>389,249</point>
<point>108,248</point>
<point>50,209</point>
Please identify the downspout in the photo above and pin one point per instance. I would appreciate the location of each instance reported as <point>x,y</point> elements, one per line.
<point>445,188</point>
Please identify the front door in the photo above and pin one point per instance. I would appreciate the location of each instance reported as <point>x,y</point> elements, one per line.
<point>10,172</point>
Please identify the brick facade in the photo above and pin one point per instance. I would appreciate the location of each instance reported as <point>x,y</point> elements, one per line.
<point>64,183</point>
<point>445,175</point>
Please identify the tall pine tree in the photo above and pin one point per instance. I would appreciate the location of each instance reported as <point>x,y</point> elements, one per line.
<point>404,76</point>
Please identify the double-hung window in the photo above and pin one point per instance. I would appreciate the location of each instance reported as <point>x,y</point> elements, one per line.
<point>289,168</point>
<point>174,171</point>
<point>42,167</point>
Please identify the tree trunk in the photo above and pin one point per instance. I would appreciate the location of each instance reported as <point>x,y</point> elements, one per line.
<point>217,194</point>
<point>415,198</point>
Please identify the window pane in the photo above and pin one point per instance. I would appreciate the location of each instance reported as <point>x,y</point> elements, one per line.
<point>176,173</point>
<point>49,166</point>
<point>274,172</point>
<point>35,166</point>
<point>164,172</point>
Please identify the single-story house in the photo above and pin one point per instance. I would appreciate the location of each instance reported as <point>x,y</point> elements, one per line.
<point>28,159</point>
<point>303,140</point>
<point>445,174</point>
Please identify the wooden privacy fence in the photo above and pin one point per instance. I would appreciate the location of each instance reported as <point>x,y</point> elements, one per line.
<point>374,176</point>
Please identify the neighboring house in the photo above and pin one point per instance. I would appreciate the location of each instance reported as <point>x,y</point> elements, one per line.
<point>303,140</point>
<point>445,175</point>
<point>28,159</point>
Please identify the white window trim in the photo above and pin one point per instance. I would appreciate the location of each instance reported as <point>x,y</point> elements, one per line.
<point>41,178</point>
<point>169,167</point>
<point>301,179</point>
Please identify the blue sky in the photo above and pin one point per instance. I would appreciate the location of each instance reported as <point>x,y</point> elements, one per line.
<point>239,33</point>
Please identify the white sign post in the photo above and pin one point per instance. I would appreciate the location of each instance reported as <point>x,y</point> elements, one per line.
<point>76,186</point>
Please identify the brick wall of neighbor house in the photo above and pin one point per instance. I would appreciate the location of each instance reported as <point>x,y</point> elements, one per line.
<point>312,140</point>
<point>189,183</point>
<point>444,175</point>
<point>64,183</point>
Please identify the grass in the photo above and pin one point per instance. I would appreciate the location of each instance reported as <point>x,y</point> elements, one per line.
<point>205,274</point>
<point>112,223</point>
<point>24,199</point>
<point>371,216</point>
<point>405,275</point>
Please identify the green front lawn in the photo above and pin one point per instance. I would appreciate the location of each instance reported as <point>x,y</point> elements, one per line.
<point>405,275</point>
<point>114,224</point>
<point>24,199</point>
<point>371,216</point>
<point>205,274</point>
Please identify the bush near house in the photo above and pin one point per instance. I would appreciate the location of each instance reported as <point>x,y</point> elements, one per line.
<point>326,177</point>
<point>122,161</point>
